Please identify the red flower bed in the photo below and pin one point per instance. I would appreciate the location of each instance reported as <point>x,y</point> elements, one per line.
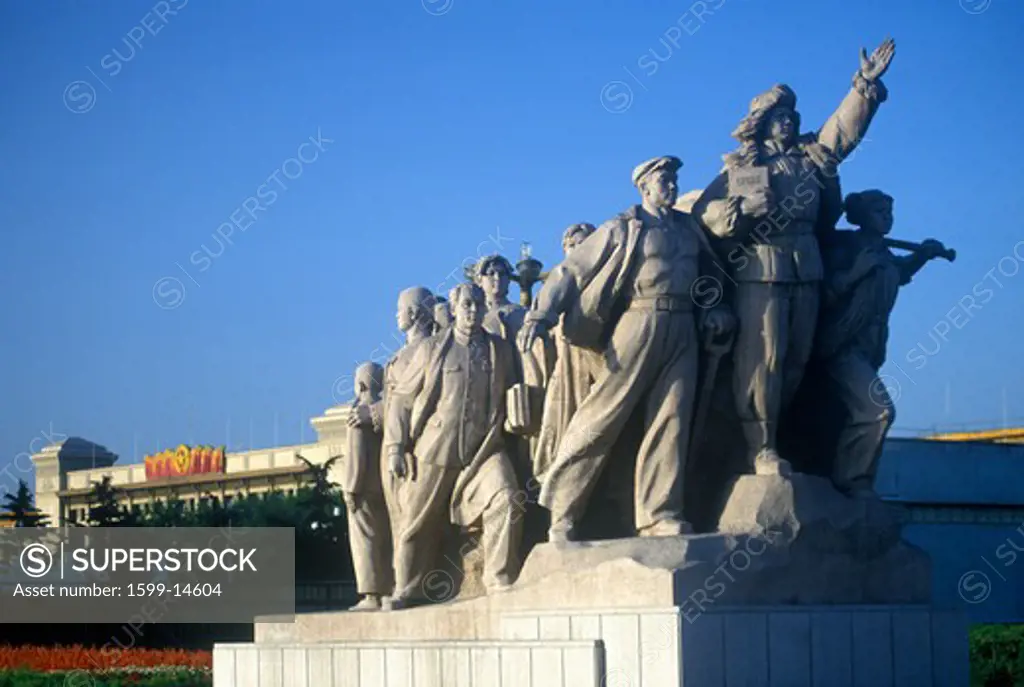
<point>40,658</point>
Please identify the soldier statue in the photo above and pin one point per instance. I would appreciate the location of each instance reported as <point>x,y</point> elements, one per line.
<point>772,234</point>
<point>862,279</point>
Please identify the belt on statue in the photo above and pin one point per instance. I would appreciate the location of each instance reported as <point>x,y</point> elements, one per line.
<point>662,303</point>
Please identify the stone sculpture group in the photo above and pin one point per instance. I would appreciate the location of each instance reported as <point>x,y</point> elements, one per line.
<point>611,375</point>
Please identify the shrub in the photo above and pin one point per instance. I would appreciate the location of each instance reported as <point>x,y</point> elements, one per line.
<point>997,655</point>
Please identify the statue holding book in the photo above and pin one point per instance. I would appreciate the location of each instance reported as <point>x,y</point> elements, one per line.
<point>776,197</point>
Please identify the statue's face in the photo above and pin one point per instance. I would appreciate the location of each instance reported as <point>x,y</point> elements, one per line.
<point>469,314</point>
<point>659,188</point>
<point>442,314</point>
<point>494,281</point>
<point>880,219</point>
<point>365,385</point>
<point>411,311</point>
<point>782,126</point>
<point>405,316</point>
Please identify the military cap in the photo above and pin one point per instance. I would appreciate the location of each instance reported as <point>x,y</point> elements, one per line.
<point>671,162</point>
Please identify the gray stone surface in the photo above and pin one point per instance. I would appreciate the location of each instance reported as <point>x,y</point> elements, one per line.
<point>824,547</point>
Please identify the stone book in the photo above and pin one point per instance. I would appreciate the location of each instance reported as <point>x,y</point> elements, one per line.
<point>748,182</point>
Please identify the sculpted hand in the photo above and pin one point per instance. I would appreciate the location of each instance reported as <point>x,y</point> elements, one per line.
<point>877,64</point>
<point>351,501</point>
<point>396,464</point>
<point>718,322</point>
<point>360,416</point>
<point>759,205</point>
<point>531,331</point>
<point>932,248</point>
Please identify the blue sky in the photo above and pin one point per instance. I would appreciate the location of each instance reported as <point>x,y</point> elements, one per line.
<point>444,129</point>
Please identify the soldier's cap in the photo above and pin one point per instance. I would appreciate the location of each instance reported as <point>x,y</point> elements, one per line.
<point>671,162</point>
<point>779,95</point>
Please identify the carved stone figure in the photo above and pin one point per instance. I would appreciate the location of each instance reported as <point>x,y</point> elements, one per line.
<point>571,379</point>
<point>442,314</point>
<point>625,292</point>
<point>503,318</point>
<point>445,443</point>
<point>862,279</point>
<point>369,528</point>
<point>771,231</point>
<point>415,318</point>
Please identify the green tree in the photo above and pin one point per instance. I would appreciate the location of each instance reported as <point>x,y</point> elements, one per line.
<point>104,510</point>
<point>20,507</point>
<point>165,514</point>
<point>319,502</point>
<point>321,533</point>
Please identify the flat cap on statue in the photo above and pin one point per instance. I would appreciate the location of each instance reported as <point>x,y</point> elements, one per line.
<point>644,168</point>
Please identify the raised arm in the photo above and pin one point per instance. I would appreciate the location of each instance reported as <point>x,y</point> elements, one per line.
<point>847,126</point>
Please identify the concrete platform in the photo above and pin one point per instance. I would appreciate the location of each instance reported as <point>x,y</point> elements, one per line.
<point>789,646</point>
<point>685,572</point>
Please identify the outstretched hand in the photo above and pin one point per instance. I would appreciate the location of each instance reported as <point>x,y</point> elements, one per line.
<point>877,64</point>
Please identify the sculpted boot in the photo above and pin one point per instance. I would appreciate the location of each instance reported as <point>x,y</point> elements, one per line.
<point>760,441</point>
<point>666,528</point>
<point>561,531</point>
<point>370,602</point>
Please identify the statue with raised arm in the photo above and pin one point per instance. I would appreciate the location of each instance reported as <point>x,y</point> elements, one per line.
<point>444,442</point>
<point>776,197</point>
<point>862,280</point>
<point>369,527</point>
<point>625,291</point>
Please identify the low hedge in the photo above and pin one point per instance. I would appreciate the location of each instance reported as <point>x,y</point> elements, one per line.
<point>997,656</point>
<point>168,678</point>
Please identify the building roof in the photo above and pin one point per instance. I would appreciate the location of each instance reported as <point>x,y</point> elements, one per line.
<point>998,436</point>
<point>194,480</point>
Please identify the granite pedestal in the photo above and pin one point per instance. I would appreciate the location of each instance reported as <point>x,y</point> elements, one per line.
<point>799,587</point>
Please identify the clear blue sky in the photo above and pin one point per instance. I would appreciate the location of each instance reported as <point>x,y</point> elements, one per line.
<point>448,120</point>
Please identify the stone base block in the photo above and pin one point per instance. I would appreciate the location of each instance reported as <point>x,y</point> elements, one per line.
<point>411,664</point>
<point>824,646</point>
<point>755,646</point>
